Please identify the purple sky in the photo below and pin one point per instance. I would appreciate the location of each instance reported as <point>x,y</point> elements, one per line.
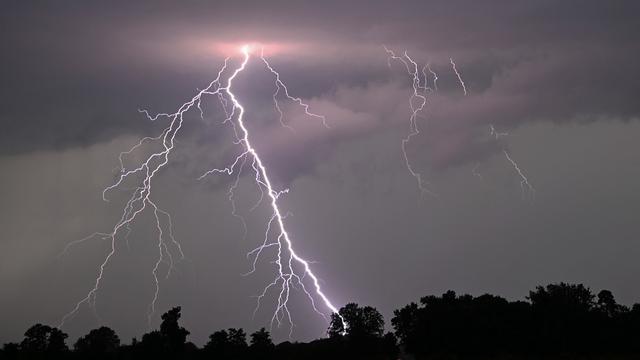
<point>559,77</point>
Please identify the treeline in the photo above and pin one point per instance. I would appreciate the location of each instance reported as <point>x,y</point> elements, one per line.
<point>562,321</point>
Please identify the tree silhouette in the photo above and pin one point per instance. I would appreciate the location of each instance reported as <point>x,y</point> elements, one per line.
<point>101,341</point>
<point>152,344</point>
<point>237,338</point>
<point>562,314</point>
<point>406,323</point>
<point>559,321</point>
<point>169,340</point>
<point>562,296</point>
<point>174,336</point>
<point>608,306</point>
<point>361,322</point>
<point>261,341</point>
<point>10,351</point>
<point>227,344</point>
<point>43,340</point>
<point>461,325</point>
<point>363,336</point>
<point>261,346</point>
<point>218,343</point>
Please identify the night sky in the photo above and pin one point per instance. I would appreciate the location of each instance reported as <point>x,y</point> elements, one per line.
<point>561,77</point>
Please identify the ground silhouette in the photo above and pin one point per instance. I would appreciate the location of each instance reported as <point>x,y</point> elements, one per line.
<point>557,321</point>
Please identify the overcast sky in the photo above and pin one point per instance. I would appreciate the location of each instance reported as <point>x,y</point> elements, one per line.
<point>561,77</point>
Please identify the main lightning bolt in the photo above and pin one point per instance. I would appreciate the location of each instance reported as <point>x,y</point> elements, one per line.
<point>286,275</point>
<point>292,269</point>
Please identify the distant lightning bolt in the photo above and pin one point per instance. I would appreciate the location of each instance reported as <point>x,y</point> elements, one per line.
<point>524,181</point>
<point>455,70</point>
<point>287,260</point>
<point>417,103</point>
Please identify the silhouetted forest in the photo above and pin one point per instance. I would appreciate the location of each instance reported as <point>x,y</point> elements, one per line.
<point>558,321</point>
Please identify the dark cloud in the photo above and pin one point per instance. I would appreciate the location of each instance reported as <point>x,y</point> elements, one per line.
<point>78,73</point>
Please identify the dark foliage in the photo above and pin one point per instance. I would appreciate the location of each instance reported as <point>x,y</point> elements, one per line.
<point>101,343</point>
<point>361,322</point>
<point>261,343</point>
<point>363,337</point>
<point>558,321</point>
<point>43,342</point>
<point>229,344</point>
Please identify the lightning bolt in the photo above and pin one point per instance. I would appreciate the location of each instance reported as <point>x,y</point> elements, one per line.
<point>455,70</point>
<point>417,103</point>
<point>292,269</point>
<point>281,86</point>
<point>286,274</point>
<point>435,77</point>
<point>524,181</point>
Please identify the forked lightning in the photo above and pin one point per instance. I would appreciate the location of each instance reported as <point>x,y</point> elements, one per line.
<point>292,270</point>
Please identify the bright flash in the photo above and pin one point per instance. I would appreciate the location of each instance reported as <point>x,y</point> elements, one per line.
<point>247,48</point>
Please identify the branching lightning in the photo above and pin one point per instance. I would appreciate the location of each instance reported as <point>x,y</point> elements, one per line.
<point>292,269</point>
<point>417,103</point>
<point>293,272</point>
<point>281,86</point>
